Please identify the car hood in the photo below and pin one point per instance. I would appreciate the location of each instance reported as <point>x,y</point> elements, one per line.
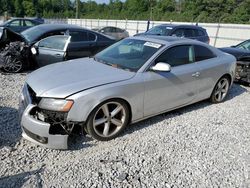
<point>9,35</point>
<point>61,80</point>
<point>238,53</point>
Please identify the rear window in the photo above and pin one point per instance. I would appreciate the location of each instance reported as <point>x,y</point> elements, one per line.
<point>160,30</point>
<point>200,33</point>
<point>202,53</point>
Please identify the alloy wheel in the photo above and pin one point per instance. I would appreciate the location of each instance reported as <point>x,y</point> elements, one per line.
<point>221,90</point>
<point>12,65</point>
<point>109,119</point>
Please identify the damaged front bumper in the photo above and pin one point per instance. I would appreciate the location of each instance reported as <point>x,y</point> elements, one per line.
<point>36,130</point>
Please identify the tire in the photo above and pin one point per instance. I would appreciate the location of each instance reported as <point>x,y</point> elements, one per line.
<point>220,90</point>
<point>13,65</point>
<point>108,119</point>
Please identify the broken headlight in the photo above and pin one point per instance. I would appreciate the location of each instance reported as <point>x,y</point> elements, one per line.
<point>60,105</point>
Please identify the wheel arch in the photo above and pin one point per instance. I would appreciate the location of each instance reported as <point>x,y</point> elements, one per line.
<point>110,99</point>
<point>229,76</point>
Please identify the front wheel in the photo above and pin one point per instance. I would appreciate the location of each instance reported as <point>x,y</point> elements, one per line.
<point>12,64</point>
<point>108,119</point>
<point>220,90</point>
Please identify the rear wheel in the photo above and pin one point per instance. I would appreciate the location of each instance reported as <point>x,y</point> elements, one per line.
<point>220,90</point>
<point>108,119</point>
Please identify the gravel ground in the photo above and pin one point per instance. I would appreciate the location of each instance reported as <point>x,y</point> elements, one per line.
<point>201,145</point>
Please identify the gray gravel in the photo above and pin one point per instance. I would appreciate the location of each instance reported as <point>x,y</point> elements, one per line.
<point>202,145</point>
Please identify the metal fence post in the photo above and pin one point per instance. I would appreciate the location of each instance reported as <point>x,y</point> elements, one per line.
<point>148,23</point>
<point>137,27</point>
<point>126,22</point>
<point>217,33</point>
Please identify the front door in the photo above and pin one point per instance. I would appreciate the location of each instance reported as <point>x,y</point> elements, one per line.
<point>168,90</point>
<point>51,49</point>
<point>83,44</point>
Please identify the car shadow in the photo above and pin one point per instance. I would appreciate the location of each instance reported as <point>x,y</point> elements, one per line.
<point>79,142</point>
<point>235,91</point>
<point>10,130</point>
<point>19,180</point>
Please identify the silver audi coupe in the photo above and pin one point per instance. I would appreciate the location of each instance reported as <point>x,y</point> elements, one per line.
<point>134,79</point>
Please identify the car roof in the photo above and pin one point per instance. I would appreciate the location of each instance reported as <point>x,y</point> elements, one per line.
<point>182,26</point>
<point>166,40</point>
<point>51,27</point>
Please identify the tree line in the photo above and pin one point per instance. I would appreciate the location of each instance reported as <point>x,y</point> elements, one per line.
<point>226,11</point>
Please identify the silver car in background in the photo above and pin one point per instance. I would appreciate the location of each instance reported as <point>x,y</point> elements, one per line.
<point>115,32</point>
<point>132,80</point>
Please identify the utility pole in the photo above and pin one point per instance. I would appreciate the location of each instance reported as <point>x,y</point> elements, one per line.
<point>77,8</point>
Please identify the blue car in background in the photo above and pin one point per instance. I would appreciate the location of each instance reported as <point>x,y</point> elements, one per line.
<point>20,24</point>
<point>184,31</point>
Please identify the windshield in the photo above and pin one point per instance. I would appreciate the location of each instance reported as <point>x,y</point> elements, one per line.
<point>244,45</point>
<point>160,30</point>
<point>32,34</point>
<point>128,54</point>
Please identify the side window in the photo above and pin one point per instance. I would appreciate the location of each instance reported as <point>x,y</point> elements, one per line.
<point>178,55</point>
<point>58,32</point>
<point>78,36</point>
<point>113,30</point>
<point>28,23</point>
<point>107,29</point>
<point>92,37</point>
<point>202,53</point>
<point>119,30</point>
<point>54,42</point>
<point>15,23</point>
<point>189,33</point>
<point>178,33</point>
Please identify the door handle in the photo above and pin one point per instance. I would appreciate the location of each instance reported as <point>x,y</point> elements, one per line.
<point>58,55</point>
<point>197,74</point>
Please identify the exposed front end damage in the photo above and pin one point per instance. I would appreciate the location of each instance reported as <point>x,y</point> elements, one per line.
<point>14,51</point>
<point>243,70</point>
<point>43,127</point>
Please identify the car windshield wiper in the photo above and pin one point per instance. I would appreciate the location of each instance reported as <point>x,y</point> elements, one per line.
<point>102,61</point>
<point>112,64</point>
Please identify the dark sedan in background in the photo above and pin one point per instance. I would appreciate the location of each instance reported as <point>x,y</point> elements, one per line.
<point>20,24</point>
<point>241,52</point>
<point>77,42</point>
<point>184,31</point>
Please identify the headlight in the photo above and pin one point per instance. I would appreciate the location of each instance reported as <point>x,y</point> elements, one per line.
<point>55,104</point>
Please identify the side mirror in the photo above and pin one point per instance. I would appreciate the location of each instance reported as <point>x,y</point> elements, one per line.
<point>102,31</point>
<point>162,67</point>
